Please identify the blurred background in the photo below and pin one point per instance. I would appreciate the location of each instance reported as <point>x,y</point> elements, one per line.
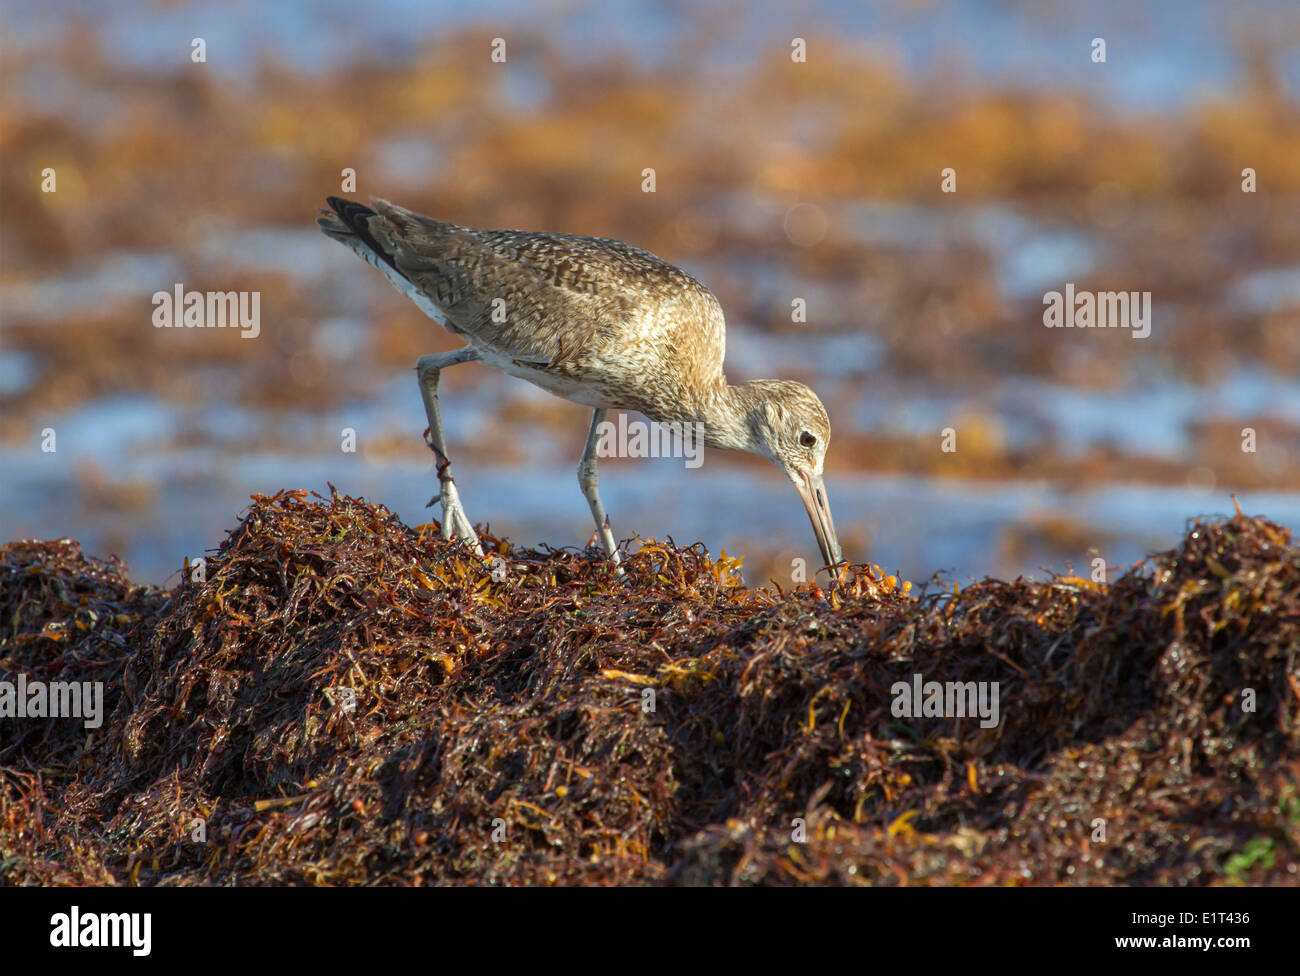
<point>776,180</point>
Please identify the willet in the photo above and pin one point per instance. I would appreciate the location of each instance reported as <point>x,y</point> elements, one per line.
<point>592,320</point>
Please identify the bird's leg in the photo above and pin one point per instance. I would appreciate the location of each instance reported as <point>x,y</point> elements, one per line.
<point>454,521</point>
<point>588,480</point>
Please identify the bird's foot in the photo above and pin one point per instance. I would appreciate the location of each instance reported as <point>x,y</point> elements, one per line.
<point>611,547</point>
<point>455,523</point>
<point>607,544</point>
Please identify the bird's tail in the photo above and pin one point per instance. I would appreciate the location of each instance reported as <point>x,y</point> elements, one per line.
<point>376,236</point>
<point>349,223</point>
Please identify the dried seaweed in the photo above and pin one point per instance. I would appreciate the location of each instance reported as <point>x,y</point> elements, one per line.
<point>343,699</point>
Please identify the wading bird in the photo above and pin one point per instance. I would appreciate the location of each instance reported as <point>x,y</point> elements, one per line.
<point>592,320</point>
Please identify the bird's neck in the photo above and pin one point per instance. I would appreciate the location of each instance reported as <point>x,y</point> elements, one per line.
<point>726,412</point>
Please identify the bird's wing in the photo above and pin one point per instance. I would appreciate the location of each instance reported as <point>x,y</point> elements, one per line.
<point>541,299</point>
<point>547,300</point>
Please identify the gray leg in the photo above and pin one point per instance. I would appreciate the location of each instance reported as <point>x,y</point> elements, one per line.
<point>454,521</point>
<point>588,480</point>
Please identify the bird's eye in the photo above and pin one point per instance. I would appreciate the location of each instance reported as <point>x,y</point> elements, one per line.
<point>807,439</point>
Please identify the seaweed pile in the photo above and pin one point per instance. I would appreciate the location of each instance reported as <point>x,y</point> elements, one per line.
<point>338,698</point>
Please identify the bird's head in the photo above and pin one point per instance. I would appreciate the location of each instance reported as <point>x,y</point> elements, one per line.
<point>788,425</point>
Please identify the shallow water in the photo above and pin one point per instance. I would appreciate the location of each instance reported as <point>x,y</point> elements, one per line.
<point>157,506</point>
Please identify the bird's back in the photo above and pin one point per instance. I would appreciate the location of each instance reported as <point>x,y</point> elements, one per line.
<point>604,320</point>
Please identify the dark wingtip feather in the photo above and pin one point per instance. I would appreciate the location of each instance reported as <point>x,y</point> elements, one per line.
<point>355,217</point>
<point>351,213</point>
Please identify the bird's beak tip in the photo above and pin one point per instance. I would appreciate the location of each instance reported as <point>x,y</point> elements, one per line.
<point>813,493</point>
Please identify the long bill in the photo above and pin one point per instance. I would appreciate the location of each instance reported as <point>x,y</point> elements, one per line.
<point>813,493</point>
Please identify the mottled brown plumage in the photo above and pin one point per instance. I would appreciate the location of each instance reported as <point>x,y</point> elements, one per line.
<point>595,321</point>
